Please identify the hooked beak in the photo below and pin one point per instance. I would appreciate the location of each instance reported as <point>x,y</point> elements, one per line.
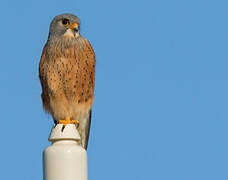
<point>74,27</point>
<point>73,31</point>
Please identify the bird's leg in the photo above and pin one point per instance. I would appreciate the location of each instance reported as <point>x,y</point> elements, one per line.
<point>67,121</point>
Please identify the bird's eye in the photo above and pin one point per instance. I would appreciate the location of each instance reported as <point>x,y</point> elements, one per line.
<point>65,22</point>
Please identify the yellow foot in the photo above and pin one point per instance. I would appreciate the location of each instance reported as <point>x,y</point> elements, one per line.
<point>68,121</point>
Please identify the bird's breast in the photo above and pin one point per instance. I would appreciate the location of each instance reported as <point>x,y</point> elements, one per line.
<point>72,72</point>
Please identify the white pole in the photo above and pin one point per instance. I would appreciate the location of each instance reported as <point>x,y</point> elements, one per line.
<point>65,159</point>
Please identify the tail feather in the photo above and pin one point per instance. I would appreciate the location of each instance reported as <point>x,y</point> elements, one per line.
<point>84,129</point>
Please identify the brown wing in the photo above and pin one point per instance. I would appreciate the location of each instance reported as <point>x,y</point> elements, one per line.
<point>86,62</point>
<point>43,79</point>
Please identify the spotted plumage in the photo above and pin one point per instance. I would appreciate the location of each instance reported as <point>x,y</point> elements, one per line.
<point>67,74</point>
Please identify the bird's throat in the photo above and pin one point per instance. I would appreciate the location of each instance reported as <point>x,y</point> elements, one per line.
<point>70,34</point>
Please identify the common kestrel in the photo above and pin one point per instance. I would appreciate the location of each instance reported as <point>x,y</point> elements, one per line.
<point>67,75</point>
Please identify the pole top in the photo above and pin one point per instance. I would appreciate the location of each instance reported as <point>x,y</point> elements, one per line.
<point>70,132</point>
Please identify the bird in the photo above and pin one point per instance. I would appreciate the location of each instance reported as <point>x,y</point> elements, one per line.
<point>67,75</point>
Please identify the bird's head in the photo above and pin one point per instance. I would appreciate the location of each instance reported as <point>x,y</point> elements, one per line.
<point>65,25</point>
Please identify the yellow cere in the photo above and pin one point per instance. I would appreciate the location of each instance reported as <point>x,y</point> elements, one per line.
<point>72,26</point>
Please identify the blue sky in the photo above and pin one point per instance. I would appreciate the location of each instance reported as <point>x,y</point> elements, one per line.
<point>161,102</point>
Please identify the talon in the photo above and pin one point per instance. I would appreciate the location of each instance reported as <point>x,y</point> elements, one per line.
<point>68,121</point>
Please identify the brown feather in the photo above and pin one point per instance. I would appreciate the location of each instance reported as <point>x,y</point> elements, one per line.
<point>67,76</point>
